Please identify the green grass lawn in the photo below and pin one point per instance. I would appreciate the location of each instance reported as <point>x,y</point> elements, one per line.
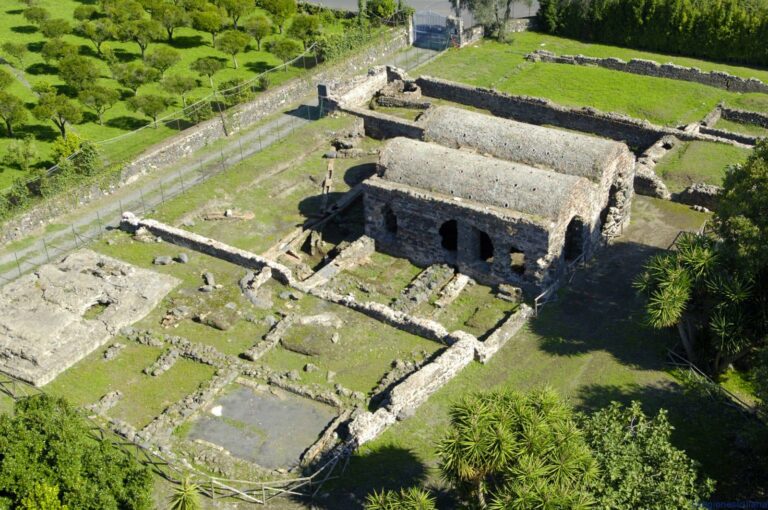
<point>659,100</point>
<point>693,162</point>
<point>144,396</point>
<point>192,44</point>
<point>591,346</point>
<point>738,127</point>
<point>280,186</point>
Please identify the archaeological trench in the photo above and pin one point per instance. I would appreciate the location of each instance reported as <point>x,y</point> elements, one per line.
<point>474,190</point>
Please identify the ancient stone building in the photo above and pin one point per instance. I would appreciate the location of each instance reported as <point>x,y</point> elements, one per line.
<point>504,202</point>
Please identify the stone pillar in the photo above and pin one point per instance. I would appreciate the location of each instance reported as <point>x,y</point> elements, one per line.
<point>411,32</point>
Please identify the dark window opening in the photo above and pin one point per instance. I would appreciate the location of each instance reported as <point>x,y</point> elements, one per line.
<point>449,235</point>
<point>390,220</point>
<point>517,260</point>
<point>574,239</point>
<point>485,251</point>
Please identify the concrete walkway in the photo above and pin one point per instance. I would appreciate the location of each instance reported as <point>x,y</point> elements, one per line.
<point>152,190</point>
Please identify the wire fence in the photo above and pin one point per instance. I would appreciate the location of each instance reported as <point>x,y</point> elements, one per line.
<point>166,185</point>
<point>144,199</point>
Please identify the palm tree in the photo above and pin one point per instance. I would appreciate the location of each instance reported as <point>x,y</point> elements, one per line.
<point>517,450</point>
<point>186,496</point>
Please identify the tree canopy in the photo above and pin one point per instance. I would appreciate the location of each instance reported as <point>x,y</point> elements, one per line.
<point>639,467</point>
<point>47,454</point>
<point>517,451</point>
<point>713,287</point>
<point>259,27</point>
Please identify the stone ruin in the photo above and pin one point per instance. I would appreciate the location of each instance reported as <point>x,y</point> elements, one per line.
<point>53,318</point>
<point>503,201</point>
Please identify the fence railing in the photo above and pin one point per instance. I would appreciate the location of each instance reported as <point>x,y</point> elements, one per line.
<point>142,200</point>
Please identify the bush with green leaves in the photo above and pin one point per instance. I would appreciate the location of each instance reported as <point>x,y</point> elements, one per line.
<point>46,442</point>
<point>12,111</point>
<point>235,91</point>
<point>412,498</point>
<point>380,10</point>
<point>285,49</point>
<point>21,154</point>
<point>639,467</point>
<point>512,450</point>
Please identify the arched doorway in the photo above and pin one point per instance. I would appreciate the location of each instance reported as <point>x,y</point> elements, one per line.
<point>449,235</point>
<point>390,220</point>
<point>575,236</point>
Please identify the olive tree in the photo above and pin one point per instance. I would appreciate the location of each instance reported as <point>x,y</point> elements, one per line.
<point>233,42</point>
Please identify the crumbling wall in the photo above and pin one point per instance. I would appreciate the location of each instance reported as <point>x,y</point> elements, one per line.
<point>638,134</point>
<point>744,116</point>
<point>382,126</point>
<point>208,246</point>
<point>719,79</point>
<point>730,135</point>
<point>421,216</point>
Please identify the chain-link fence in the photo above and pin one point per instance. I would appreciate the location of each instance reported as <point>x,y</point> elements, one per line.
<point>165,185</point>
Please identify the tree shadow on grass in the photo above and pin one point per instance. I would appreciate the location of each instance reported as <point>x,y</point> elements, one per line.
<point>127,123</point>
<point>41,132</point>
<point>42,68</point>
<point>258,67</point>
<point>372,469</point>
<point>732,447</point>
<point>15,11</point>
<point>24,29</point>
<point>601,311</point>
<point>183,42</point>
<point>124,56</point>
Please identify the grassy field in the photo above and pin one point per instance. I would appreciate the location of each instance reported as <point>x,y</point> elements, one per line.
<point>661,101</point>
<point>191,44</point>
<point>738,127</point>
<point>591,346</point>
<point>698,162</point>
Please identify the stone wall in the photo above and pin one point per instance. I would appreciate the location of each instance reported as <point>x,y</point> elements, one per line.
<point>730,135</point>
<point>208,246</point>
<point>382,126</point>
<point>195,138</point>
<point>717,79</point>
<point>639,134</point>
<point>745,117</point>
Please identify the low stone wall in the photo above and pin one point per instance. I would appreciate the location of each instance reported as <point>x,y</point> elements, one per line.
<point>730,135</point>
<point>197,137</point>
<point>717,79</point>
<point>745,117</point>
<point>646,181</point>
<point>639,134</point>
<point>208,246</point>
<point>472,34</point>
<point>702,195</point>
<point>382,126</point>
<point>424,328</point>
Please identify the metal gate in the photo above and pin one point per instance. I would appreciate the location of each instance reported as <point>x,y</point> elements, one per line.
<point>430,31</point>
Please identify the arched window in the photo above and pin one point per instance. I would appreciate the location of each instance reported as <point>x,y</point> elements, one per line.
<point>449,235</point>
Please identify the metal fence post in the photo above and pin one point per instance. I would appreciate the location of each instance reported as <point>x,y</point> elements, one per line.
<point>181,179</point>
<point>240,143</point>
<point>74,235</point>
<point>143,204</point>
<point>18,266</point>
<point>162,193</point>
<point>45,247</point>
